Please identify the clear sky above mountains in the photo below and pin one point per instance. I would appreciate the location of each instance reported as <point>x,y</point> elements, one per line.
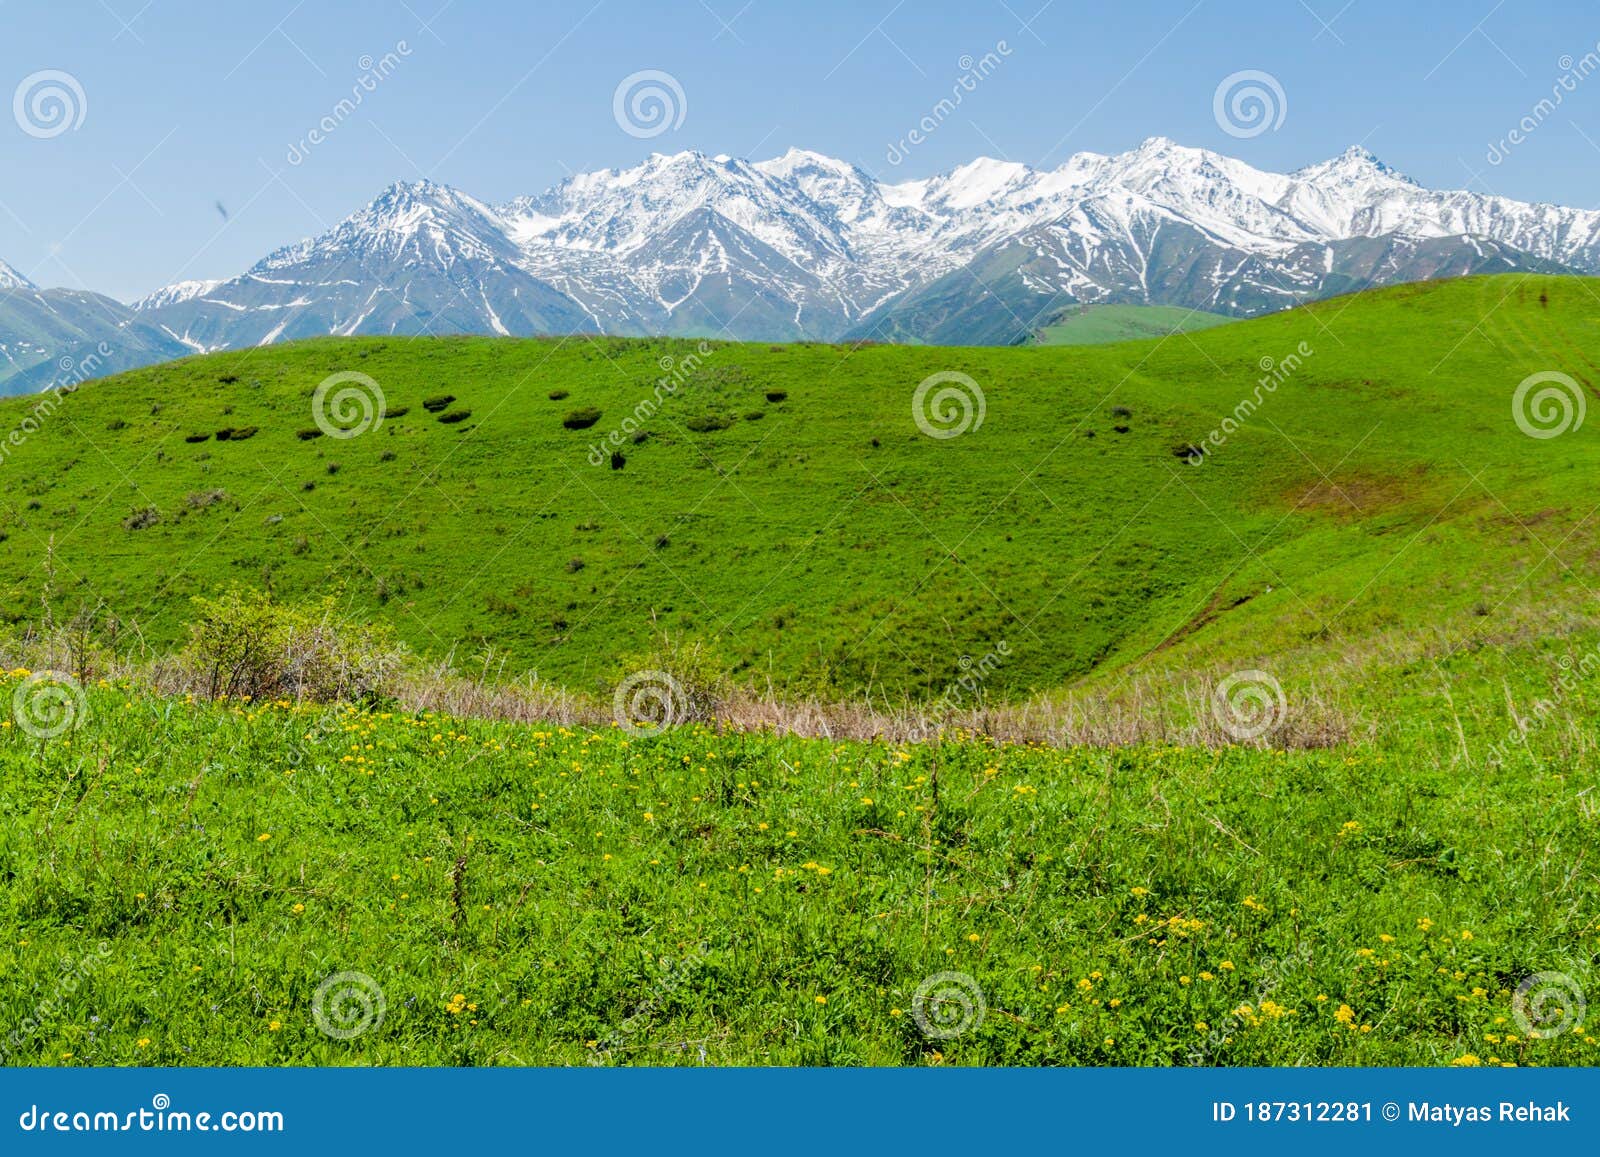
<point>188,148</point>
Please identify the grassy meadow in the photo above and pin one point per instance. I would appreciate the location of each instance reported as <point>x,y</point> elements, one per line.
<point>1227,698</point>
<point>528,895</point>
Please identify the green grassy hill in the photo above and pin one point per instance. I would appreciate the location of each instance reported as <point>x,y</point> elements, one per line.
<point>784,501</point>
<point>1345,497</point>
<point>1100,324</point>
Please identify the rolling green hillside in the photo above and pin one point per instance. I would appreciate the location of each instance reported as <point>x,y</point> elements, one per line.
<point>1100,324</point>
<point>783,500</point>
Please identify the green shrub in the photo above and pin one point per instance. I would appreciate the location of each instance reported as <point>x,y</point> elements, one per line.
<point>557,395</point>
<point>696,684</point>
<point>193,438</point>
<point>455,416</point>
<point>708,423</point>
<point>243,643</point>
<point>581,419</point>
<point>398,412</point>
<point>307,435</point>
<point>777,395</point>
<point>435,404</point>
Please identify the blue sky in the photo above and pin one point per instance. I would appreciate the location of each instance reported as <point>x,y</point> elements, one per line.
<point>179,167</point>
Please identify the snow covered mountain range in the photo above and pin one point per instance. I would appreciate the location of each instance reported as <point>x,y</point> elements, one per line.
<point>804,246</point>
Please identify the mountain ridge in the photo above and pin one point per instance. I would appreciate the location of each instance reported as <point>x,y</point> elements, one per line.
<point>804,246</point>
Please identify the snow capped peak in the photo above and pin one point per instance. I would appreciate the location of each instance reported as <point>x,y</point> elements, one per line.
<point>11,279</point>
<point>422,221</point>
<point>424,197</point>
<point>175,293</point>
<point>977,183</point>
<point>804,160</point>
<point>1353,166</point>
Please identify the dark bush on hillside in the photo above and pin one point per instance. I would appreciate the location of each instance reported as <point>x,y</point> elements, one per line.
<point>228,434</point>
<point>557,395</point>
<point>228,379</point>
<point>116,424</point>
<point>307,435</point>
<point>755,415</point>
<point>193,438</point>
<point>435,404</point>
<point>777,395</point>
<point>386,456</point>
<point>455,416</point>
<point>617,460</point>
<point>225,434</point>
<point>398,412</point>
<point>581,419</point>
<point>1121,412</point>
<point>574,565</point>
<point>200,499</point>
<point>662,542</point>
<point>245,644</point>
<point>333,468</point>
<point>708,423</point>
<point>142,519</point>
<point>640,436</point>
<point>1120,429</point>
